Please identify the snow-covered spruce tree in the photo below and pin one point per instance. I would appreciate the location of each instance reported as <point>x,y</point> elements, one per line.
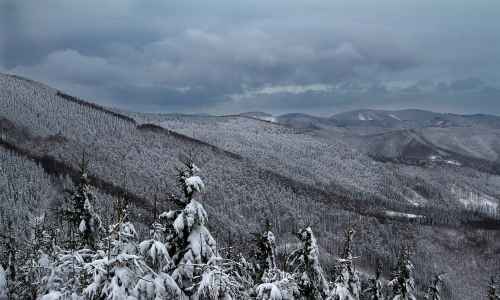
<point>156,282</point>
<point>402,282</point>
<point>277,285</point>
<point>45,257</point>
<point>198,270</point>
<point>80,213</point>
<point>217,283</point>
<point>33,261</point>
<point>244,272</point>
<point>154,250</point>
<point>347,285</point>
<point>90,226</point>
<point>116,269</point>
<point>265,254</point>
<point>305,261</point>
<point>67,277</point>
<point>274,284</point>
<point>434,289</point>
<point>492,290</point>
<point>375,288</point>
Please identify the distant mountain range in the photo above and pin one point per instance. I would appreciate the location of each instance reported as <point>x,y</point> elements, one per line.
<point>396,119</point>
<point>409,136</point>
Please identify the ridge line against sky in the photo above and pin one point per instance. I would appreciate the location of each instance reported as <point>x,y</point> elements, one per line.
<point>223,57</point>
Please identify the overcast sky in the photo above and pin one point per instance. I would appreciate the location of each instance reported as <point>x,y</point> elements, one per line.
<point>279,56</point>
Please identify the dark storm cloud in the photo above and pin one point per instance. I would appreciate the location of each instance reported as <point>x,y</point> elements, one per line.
<point>229,56</point>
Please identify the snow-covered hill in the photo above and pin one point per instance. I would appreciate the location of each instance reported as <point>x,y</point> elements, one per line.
<point>384,120</point>
<point>256,170</point>
<point>414,118</point>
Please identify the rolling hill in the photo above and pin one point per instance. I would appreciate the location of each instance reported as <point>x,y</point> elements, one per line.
<point>324,174</point>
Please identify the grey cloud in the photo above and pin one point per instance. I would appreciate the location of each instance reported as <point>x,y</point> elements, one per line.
<point>70,65</point>
<point>352,95</point>
<point>191,55</point>
<point>466,84</point>
<point>218,63</point>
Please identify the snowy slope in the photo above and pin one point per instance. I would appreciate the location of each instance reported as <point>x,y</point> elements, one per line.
<point>329,160</point>
<point>284,174</point>
<point>384,120</point>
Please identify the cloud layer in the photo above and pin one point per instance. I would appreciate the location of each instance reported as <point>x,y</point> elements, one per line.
<point>279,56</point>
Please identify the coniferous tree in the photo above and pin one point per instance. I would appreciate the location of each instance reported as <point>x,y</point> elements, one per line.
<point>312,281</point>
<point>188,239</point>
<point>274,284</point>
<point>197,269</point>
<point>154,250</point>
<point>265,254</point>
<point>90,226</point>
<point>244,272</point>
<point>277,285</point>
<point>375,288</point>
<point>402,282</point>
<point>68,276</point>
<point>156,282</point>
<point>117,269</point>
<point>34,260</point>
<point>85,222</point>
<point>347,285</point>
<point>434,289</point>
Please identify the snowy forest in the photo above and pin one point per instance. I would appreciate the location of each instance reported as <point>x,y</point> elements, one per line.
<point>96,203</point>
<point>82,257</point>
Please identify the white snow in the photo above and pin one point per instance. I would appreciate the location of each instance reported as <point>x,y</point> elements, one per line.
<point>192,214</point>
<point>361,117</point>
<point>415,198</point>
<point>82,226</point>
<point>194,183</point>
<point>474,200</point>
<point>146,288</point>
<point>215,284</point>
<point>167,214</point>
<point>394,117</point>
<point>166,288</point>
<point>127,230</point>
<point>438,158</point>
<point>453,162</point>
<point>201,244</point>
<point>397,214</point>
<point>54,295</point>
<point>122,284</point>
<point>155,250</point>
<point>269,119</point>
<point>268,291</point>
<point>341,292</point>
<point>413,202</point>
<point>44,261</point>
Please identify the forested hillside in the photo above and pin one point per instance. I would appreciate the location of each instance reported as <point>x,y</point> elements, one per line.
<point>232,227</point>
